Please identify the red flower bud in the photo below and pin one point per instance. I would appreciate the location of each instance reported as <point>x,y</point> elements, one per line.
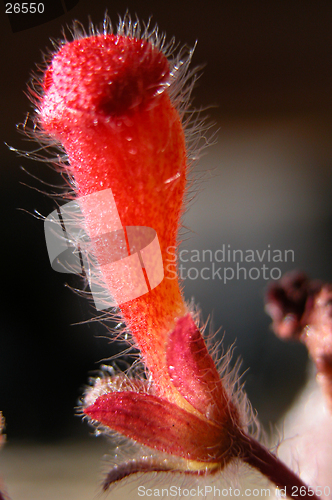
<point>136,148</point>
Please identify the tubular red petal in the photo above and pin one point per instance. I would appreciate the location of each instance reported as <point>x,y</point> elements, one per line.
<point>136,148</point>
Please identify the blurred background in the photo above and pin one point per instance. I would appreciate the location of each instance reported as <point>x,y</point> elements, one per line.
<point>266,183</point>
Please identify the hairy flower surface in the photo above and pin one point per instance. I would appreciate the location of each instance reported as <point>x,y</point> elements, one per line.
<point>117,103</point>
<point>106,100</point>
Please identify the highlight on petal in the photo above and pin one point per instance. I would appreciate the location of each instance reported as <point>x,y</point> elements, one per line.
<point>159,424</point>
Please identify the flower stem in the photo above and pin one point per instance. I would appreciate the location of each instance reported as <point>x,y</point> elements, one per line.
<point>275,470</point>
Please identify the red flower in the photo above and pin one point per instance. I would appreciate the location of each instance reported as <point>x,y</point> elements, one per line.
<point>116,104</point>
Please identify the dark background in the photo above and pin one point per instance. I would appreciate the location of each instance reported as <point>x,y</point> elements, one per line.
<point>268,78</point>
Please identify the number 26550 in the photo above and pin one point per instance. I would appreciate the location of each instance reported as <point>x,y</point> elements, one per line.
<point>24,8</point>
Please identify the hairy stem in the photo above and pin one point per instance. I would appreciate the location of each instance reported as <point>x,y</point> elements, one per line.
<point>276,471</point>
